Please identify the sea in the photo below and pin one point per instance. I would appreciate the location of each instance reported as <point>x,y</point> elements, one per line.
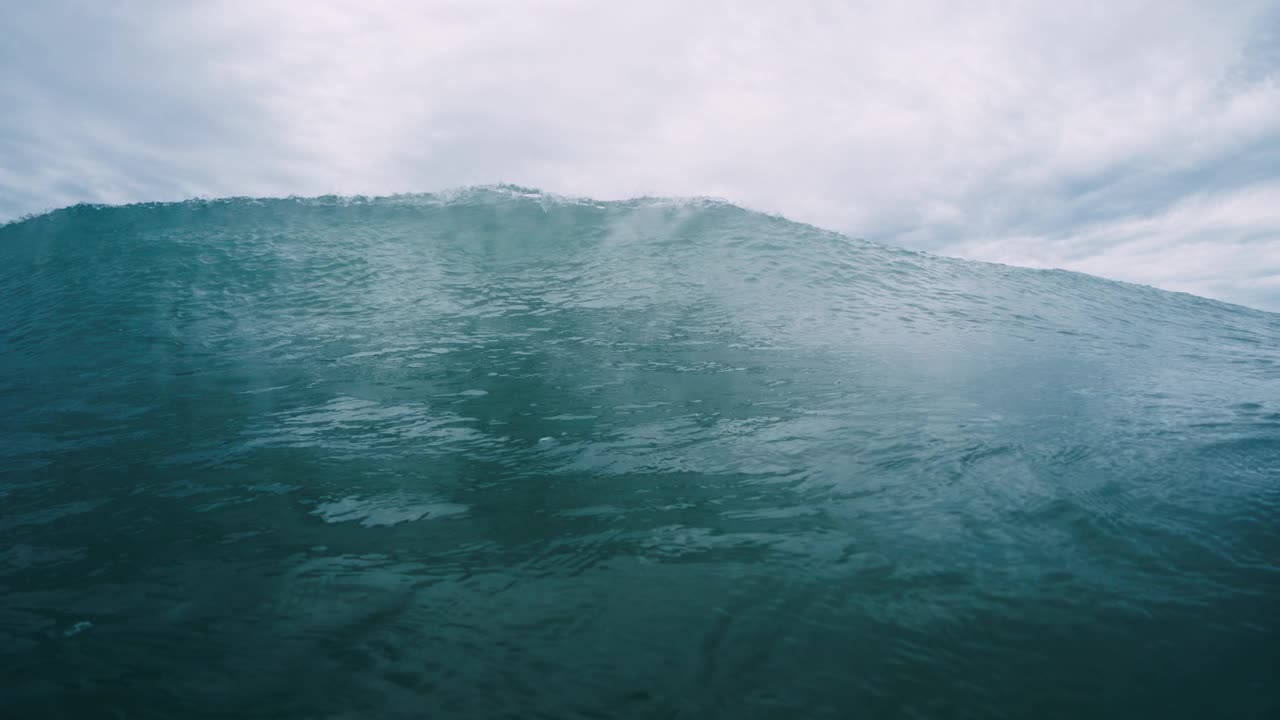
<point>498,453</point>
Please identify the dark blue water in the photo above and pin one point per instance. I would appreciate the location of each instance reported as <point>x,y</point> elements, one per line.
<point>502,455</point>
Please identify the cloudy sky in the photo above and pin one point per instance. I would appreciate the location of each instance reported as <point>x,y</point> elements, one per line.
<point>1134,140</point>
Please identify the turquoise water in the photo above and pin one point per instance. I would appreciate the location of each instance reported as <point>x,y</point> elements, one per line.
<point>499,454</point>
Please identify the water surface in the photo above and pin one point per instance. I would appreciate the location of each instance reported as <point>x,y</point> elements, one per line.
<point>500,454</point>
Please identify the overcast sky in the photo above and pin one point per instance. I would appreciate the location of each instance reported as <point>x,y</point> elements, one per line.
<point>1134,140</point>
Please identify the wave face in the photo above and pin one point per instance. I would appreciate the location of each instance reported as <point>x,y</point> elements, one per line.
<point>501,454</point>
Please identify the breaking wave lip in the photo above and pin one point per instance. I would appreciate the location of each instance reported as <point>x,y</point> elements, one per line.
<point>484,193</point>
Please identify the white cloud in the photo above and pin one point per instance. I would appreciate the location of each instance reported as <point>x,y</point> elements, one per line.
<point>1214,245</point>
<point>1083,135</point>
